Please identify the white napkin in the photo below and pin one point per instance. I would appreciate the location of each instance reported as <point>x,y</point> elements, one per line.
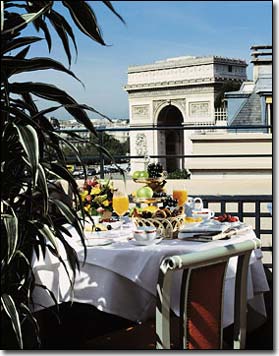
<point>212,227</point>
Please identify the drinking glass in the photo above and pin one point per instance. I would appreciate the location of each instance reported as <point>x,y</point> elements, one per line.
<point>120,204</point>
<point>181,195</point>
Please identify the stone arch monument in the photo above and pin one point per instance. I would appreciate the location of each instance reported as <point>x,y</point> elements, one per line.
<point>175,92</point>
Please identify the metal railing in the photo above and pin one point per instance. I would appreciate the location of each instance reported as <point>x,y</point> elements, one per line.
<point>101,159</point>
<point>255,213</point>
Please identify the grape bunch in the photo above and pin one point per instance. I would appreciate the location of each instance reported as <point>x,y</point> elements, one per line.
<point>155,170</point>
<point>169,202</point>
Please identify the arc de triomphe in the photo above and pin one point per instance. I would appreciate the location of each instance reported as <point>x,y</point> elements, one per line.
<point>175,92</point>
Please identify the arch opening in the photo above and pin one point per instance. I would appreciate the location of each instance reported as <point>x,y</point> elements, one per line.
<point>170,141</point>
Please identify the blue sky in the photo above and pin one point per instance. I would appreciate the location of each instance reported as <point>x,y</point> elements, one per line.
<point>154,30</point>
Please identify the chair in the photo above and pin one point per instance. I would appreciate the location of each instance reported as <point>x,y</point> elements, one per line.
<point>201,306</point>
<point>202,294</point>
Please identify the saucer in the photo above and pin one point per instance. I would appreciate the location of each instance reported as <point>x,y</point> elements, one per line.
<point>147,243</point>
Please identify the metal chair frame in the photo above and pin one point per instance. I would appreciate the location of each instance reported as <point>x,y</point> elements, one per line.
<point>188,263</point>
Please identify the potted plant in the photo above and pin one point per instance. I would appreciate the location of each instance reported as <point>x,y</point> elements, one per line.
<point>31,153</point>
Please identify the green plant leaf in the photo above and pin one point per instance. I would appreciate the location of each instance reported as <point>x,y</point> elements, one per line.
<point>46,232</point>
<point>70,217</point>
<point>33,320</point>
<point>59,28</point>
<point>63,173</point>
<point>60,19</point>
<point>44,189</point>
<point>25,19</point>
<point>22,53</point>
<point>11,225</point>
<point>2,16</point>
<point>15,66</point>
<point>85,19</point>
<point>19,42</point>
<point>40,24</point>
<point>109,5</point>
<point>50,92</point>
<point>10,309</point>
<point>28,139</point>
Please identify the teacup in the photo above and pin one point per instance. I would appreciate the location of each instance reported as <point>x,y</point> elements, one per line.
<point>204,213</point>
<point>193,204</point>
<point>145,233</point>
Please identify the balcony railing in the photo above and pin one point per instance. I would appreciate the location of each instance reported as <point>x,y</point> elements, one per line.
<point>101,159</point>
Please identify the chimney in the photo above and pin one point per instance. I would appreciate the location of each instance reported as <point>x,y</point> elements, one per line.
<point>262,60</point>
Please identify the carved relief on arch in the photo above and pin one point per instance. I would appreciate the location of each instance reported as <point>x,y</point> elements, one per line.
<point>140,111</point>
<point>157,104</point>
<point>141,144</point>
<point>179,103</point>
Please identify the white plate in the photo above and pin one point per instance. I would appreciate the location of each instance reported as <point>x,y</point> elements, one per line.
<point>147,243</point>
<point>96,242</point>
<point>97,234</point>
<point>114,225</point>
<point>111,234</point>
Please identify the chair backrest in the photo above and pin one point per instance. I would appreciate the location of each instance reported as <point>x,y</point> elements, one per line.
<point>201,296</point>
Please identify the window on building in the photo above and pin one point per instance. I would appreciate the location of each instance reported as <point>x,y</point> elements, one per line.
<point>230,68</point>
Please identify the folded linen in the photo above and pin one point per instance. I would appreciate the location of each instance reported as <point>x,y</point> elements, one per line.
<point>213,230</point>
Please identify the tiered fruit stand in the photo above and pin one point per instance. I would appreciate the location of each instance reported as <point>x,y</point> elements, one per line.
<point>166,221</point>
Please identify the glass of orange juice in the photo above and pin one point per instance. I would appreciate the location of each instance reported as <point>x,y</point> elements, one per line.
<point>181,194</point>
<point>120,203</point>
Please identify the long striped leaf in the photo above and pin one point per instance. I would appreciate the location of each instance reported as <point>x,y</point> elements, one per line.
<point>15,66</point>
<point>109,5</point>
<point>46,232</point>
<point>50,92</point>
<point>11,226</point>
<point>2,15</point>
<point>40,24</point>
<point>33,320</point>
<point>25,19</point>
<point>63,173</point>
<point>28,139</point>
<point>70,217</point>
<point>64,38</point>
<point>43,185</point>
<point>10,309</point>
<point>85,19</point>
<point>19,42</point>
<point>55,16</point>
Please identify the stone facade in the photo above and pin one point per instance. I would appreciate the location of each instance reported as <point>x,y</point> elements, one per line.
<point>179,92</point>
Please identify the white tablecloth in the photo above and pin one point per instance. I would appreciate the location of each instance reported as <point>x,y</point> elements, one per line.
<point>121,278</point>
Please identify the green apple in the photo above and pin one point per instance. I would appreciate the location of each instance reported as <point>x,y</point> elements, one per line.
<point>143,174</point>
<point>136,175</point>
<point>144,192</point>
<point>140,174</point>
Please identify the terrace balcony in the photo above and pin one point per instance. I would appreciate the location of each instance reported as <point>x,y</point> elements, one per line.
<point>242,185</point>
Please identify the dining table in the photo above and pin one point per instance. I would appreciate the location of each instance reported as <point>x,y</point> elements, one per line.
<point>119,276</point>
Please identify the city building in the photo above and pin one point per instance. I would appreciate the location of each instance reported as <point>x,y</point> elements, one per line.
<point>252,104</point>
<point>73,125</point>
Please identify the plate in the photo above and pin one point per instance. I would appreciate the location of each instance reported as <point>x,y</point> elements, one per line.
<point>96,242</point>
<point>114,224</point>
<point>147,243</point>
